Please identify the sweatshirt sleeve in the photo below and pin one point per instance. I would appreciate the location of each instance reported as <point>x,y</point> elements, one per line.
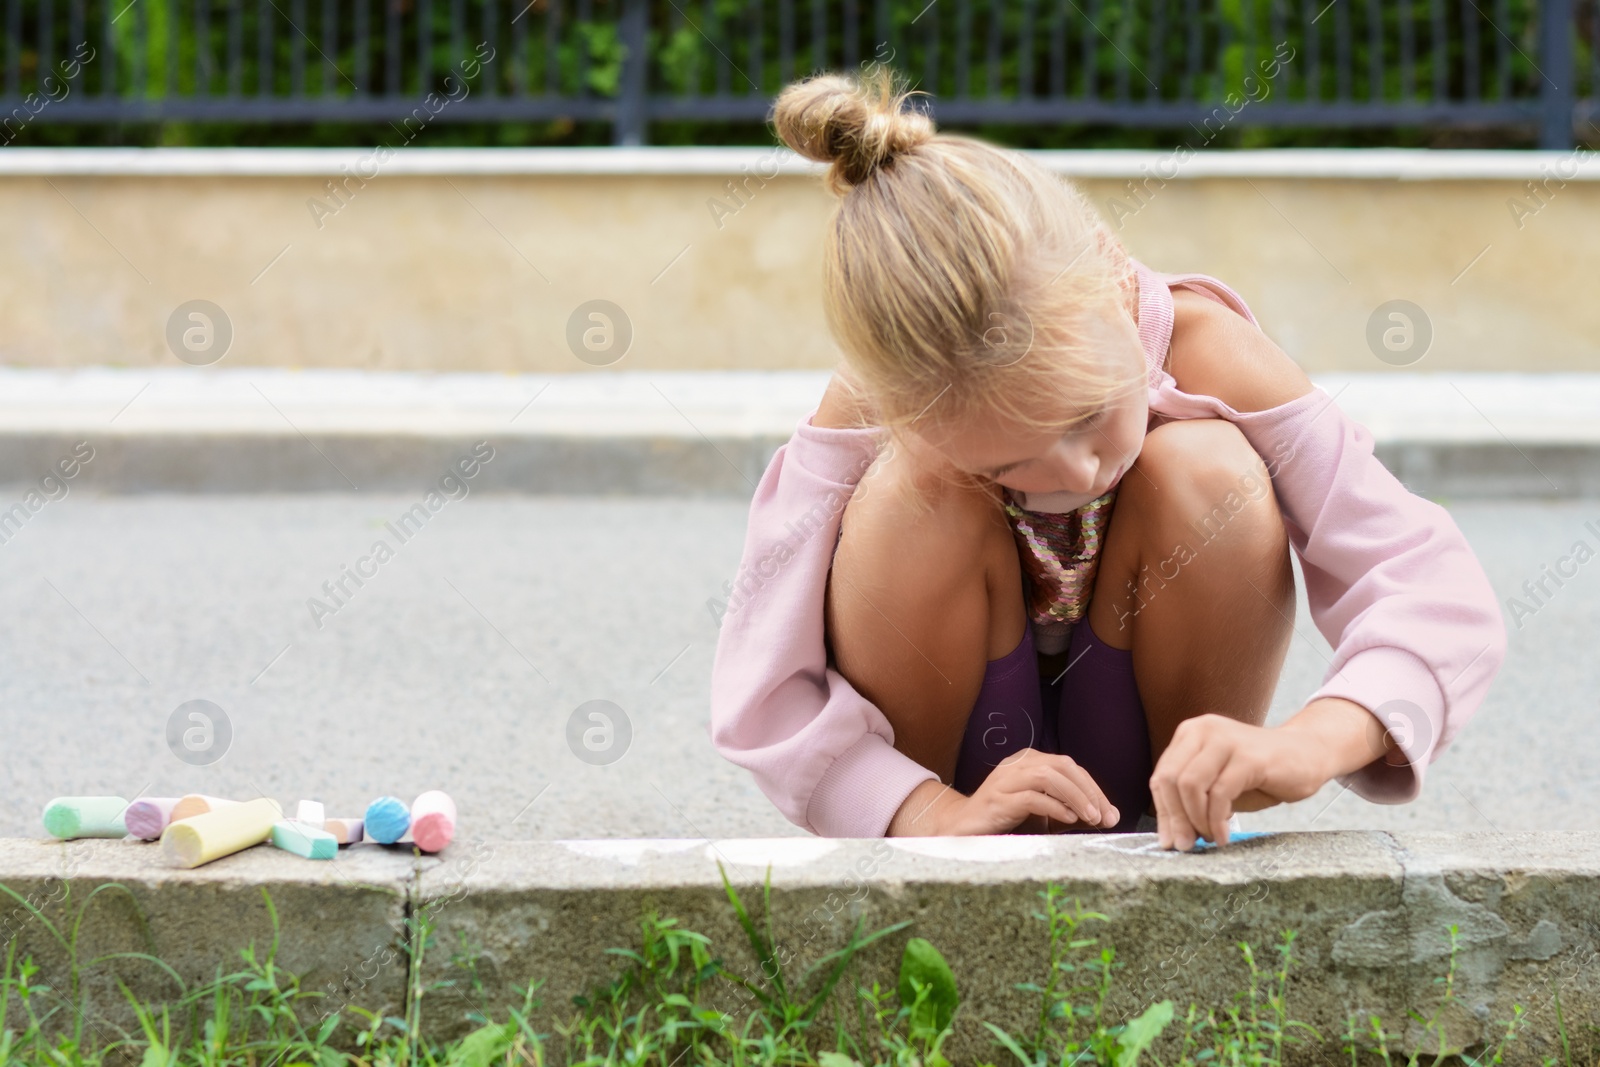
<point>1391,583</point>
<point>818,749</point>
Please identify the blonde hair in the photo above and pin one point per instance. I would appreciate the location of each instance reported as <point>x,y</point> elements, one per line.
<point>958,275</point>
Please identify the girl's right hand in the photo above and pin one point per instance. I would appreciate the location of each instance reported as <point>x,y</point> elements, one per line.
<point>1024,790</point>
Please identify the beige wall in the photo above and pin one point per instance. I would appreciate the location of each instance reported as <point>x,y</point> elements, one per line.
<point>480,272</point>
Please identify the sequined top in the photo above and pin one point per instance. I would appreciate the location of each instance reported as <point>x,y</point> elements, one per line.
<point>1060,553</point>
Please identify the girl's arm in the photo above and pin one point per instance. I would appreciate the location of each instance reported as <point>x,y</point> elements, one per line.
<point>818,749</point>
<point>1391,581</point>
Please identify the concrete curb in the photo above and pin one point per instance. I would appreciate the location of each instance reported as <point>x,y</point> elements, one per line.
<point>1371,912</point>
<point>675,433</point>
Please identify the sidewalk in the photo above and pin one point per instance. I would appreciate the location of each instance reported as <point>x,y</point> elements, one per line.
<point>684,432</point>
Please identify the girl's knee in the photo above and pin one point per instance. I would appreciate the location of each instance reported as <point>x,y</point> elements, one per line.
<point>1203,477</point>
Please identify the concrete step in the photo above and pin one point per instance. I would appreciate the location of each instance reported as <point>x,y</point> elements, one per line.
<point>685,432</point>
<point>1371,912</point>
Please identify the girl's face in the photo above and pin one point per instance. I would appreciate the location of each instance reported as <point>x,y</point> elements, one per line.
<point>1083,462</point>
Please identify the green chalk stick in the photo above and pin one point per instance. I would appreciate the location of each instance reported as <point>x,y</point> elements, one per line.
<point>304,840</point>
<point>70,817</point>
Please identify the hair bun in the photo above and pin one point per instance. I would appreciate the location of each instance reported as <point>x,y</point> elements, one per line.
<point>855,123</point>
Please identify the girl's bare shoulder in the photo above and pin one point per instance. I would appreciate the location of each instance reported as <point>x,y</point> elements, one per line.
<point>844,406</point>
<point>1218,352</point>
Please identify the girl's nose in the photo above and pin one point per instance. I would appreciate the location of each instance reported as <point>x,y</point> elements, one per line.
<point>1077,473</point>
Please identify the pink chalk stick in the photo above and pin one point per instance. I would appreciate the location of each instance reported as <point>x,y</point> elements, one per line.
<point>148,816</point>
<point>433,820</point>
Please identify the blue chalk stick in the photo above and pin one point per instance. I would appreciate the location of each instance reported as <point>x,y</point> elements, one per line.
<point>387,820</point>
<point>1201,844</point>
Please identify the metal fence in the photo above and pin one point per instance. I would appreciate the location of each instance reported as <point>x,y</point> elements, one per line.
<point>1527,65</point>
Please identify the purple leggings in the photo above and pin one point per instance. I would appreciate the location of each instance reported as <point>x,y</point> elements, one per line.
<point>1095,716</point>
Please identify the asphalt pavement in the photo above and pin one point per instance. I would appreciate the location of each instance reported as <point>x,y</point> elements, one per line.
<point>470,654</point>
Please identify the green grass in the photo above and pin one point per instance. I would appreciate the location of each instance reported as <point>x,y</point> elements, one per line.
<point>670,1000</point>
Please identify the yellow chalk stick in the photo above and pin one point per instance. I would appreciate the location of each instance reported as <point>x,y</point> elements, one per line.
<point>195,804</point>
<point>214,834</point>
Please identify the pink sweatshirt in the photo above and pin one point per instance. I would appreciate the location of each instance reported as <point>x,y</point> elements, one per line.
<point>1390,581</point>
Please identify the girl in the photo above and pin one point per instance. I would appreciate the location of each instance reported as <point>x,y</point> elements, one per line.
<point>1027,565</point>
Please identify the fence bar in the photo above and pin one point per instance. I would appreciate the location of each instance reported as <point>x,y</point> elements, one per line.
<point>264,69</point>
<point>1377,92</point>
<point>1557,93</point>
<point>46,33</point>
<point>785,41</point>
<point>852,34</point>
<point>13,44</point>
<point>202,47</point>
<point>235,50</point>
<point>425,46</point>
<point>552,56</point>
<point>170,61</point>
<point>1441,52</point>
<point>489,79</point>
<point>391,48</point>
<point>632,31</point>
<point>1025,86</point>
<point>819,35</point>
<point>1158,47</point>
<point>1344,55</point>
<point>1058,50</point>
<point>108,52</point>
<point>1192,68</point>
<point>519,51</point>
<point>753,73</point>
<point>991,62</point>
<point>362,46</point>
<point>963,46</point>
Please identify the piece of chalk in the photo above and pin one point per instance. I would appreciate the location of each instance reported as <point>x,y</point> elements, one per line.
<point>433,820</point>
<point>1203,843</point>
<point>70,817</point>
<point>194,804</point>
<point>304,840</point>
<point>214,834</point>
<point>344,831</point>
<point>309,812</point>
<point>148,816</point>
<point>387,819</point>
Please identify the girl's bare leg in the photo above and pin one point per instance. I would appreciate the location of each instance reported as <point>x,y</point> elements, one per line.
<point>1196,578</point>
<point>918,602</point>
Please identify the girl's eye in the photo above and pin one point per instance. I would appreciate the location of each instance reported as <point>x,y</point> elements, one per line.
<point>1089,423</point>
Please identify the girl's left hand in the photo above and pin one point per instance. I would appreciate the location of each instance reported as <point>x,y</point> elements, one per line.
<point>1216,765</point>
